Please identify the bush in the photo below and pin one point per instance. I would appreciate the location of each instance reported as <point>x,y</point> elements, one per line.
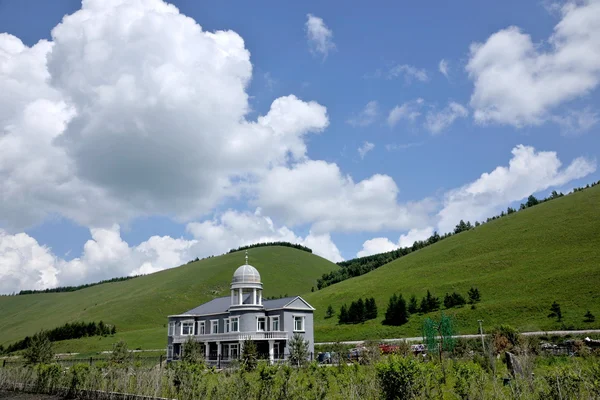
<point>400,377</point>
<point>298,350</point>
<point>563,383</point>
<point>505,338</point>
<point>192,352</point>
<point>120,353</point>
<point>39,349</point>
<point>249,356</point>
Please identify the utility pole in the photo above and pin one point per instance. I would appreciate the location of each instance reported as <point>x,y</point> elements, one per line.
<point>481,333</point>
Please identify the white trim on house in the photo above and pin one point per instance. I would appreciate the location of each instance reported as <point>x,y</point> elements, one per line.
<point>213,325</point>
<point>302,300</point>
<point>169,352</point>
<point>171,328</point>
<point>190,327</point>
<point>237,324</point>
<point>303,318</point>
<point>264,324</point>
<point>201,327</point>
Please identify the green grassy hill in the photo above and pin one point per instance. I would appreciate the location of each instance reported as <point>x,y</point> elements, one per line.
<point>521,263</point>
<point>139,307</point>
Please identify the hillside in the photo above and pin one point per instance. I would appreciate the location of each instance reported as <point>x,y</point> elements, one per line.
<point>139,307</point>
<point>521,263</point>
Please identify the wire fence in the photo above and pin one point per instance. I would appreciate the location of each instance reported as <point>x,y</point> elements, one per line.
<point>142,361</point>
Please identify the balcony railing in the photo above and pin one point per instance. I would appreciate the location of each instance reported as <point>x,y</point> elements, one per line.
<point>234,336</point>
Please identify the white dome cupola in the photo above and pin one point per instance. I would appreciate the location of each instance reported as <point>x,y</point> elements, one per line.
<point>246,287</point>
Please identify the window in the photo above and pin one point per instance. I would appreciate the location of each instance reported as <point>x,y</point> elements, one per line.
<point>298,324</point>
<point>214,326</point>
<point>201,328</point>
<point>171,328</point>
<point>274,323</point>
<point>187,328</point>
<point>226,325</point>
<point>235,324</point>
<point>169,352</point>
<point>261,324</point>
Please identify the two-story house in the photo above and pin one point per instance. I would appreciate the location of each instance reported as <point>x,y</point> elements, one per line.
<point>223,324</point>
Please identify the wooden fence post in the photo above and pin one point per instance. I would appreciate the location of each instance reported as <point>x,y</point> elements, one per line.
<point>91,361</point>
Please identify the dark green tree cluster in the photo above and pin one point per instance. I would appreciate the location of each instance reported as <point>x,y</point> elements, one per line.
<point>285,244</point>
<point>454,300</point>
<point>39,350</point>
<point>429,303</point>
<point>75,288</point>
<point>462,226</point>
<point>359,311</point>
<point>474,295</point>
<point>397,312</point>
<point>589,317</point>
<point>73,330</point>
<point>330,312</point>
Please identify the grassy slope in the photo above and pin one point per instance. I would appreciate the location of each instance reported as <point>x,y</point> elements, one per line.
<point>139,307</point>
<point>521,263</point>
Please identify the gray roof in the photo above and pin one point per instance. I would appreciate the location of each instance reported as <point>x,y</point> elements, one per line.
<point>221,305</point>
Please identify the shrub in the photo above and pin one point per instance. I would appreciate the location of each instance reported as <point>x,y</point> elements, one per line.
<point>505,338</point>
<point>39,349</point>
<point>120,353</point>
<point>298,350</point>
<point>563,383</point>
<point>249,356</point>
<point>192,352</point>
<point>400,377</point>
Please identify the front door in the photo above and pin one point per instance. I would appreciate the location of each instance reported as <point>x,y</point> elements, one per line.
<point>234,351</point>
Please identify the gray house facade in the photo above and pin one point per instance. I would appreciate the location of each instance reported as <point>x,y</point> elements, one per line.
<point>223,324</point>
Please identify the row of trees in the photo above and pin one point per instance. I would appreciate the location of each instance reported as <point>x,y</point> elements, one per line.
<point>285,244</point>
<point>359,311</point>
<point>74,330</point>
<point>74,288</point>
<point>556,312</point>
<point>362,265</point>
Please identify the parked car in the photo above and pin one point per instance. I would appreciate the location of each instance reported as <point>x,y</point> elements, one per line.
<point>324,358</point>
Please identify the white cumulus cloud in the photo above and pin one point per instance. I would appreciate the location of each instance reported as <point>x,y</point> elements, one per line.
<point>529,171</point>
<point>382,245</point>
<point>519,82</point>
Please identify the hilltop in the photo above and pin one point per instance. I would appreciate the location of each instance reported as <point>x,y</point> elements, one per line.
<point>521,263</point>
<point>139,307</point>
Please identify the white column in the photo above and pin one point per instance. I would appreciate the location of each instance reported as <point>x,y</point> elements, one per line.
<point>206,350</point>
<point>232,296</point>
<point>254,296</point>
<point>240,300</point>
<point>271,351</point>
<point>260,297</point>
<point>218,349</point>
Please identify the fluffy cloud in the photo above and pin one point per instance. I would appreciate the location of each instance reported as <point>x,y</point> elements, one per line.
<point>443,67</point>
<point>316,192</point>
<point>132,109</point>
<point>28,265</point>
<point>233,229</point>
<point>367,116</point>
<point>437,121</point>
<point>529,171</point>
<point>382,245</point>
<point>409,110</point>
<point>409,72</point>
<point>320,37</point>
<point>365,148</point>
<point>518,82</point>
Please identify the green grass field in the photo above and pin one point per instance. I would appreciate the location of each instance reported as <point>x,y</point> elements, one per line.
<point>139,307</point>
<point>520,263</point>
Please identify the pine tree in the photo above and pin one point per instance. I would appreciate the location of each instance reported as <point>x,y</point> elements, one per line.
<point>360,311</point>
<point>120,353</point>
<point>413,307</point>
<point>298,350</point>
<point>343,317</point>
<point>330,312</point>
<point>113,330</point>
<point>555,311</point>
<point>249,355</point>
<point>589,317</point>
<point>192,352</point>
<point>474,296</point>
<point>396,313</point>
<point>370,309</point>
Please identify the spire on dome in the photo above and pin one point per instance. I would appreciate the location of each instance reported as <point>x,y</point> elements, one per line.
<point>246,257</point>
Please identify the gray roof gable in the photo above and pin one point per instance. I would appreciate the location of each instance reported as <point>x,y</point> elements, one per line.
<point>220,305</point>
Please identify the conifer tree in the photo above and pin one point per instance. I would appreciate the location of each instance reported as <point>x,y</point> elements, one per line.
<point>330,312</point>
<point>555,311</point>
<point>413,307</point>
<point>589,317</point>
<point>343,317</point>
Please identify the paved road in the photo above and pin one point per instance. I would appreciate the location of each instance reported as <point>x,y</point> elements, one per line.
<point>420,338</point>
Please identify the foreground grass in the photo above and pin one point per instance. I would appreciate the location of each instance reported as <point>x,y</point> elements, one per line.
<point>403,377</point>
<point>520,263</point>
<point>139,307</point>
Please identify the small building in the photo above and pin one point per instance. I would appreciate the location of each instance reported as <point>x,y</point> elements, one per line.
<point>223,324</point>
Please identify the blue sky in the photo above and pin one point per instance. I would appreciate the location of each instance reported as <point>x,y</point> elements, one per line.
<point>512,78</point>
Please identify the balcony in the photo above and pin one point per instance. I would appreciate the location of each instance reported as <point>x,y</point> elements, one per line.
<point>234,336</point>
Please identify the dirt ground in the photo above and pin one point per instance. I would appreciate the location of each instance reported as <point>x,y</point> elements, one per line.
<point>26,396</point>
